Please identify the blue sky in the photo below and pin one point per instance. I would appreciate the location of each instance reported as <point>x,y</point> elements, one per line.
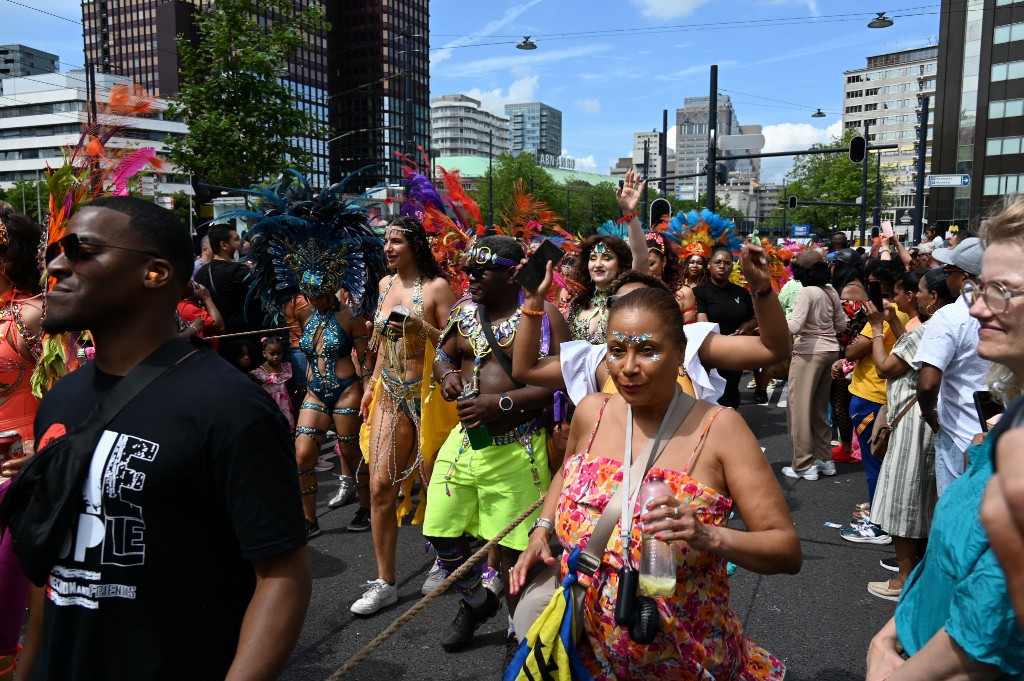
<point>779,60</point>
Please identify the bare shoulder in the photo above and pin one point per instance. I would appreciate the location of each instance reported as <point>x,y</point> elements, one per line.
<point>32,313</point>
<point>438,285</point>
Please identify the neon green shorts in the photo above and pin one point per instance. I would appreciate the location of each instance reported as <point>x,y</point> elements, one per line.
<point>486,490</point>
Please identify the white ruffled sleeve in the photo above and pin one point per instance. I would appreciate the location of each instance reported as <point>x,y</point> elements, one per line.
<point>579,361</point>
<point>707,385</point>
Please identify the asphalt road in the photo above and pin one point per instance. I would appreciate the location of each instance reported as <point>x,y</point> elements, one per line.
<point>818,622</point>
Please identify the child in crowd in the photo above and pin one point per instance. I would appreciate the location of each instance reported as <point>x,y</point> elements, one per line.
<point>273,375</point>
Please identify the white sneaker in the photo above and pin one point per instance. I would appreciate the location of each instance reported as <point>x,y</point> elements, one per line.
<point>434,579</point>
<point>809,474</point>
<point>825,467</point>
<point>346,492</point>
<point>379,595</point>
<point>494,583</point>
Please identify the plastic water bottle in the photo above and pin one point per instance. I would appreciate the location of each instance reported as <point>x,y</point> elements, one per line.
<point>657,562</point>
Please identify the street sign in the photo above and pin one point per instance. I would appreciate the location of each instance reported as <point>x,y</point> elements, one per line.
<point>949,180</point>
<point>801,230</point>
<point>147,185</point>
<point>740,142</point>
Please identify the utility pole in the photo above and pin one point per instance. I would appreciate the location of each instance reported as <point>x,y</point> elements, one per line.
<point>567,206</point>
<point>864,185</point>
<point>490,178</point>
<point>712,136</point>
<point>922,143</point>
<point>409,147</point>
<point>647,163</point>
<point>663,151</point>
<point>878,189</point>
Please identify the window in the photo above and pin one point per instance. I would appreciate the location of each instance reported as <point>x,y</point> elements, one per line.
<point>1008,71</point>
<point>1008,33</point>
<point>997,185</point>
<point>871,91</point>
<point>1006,108</point>
<point>997,146</point>
<point>853,94</point>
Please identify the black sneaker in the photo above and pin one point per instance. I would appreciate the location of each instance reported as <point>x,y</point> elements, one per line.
<point>312,528</point>
<point>361,523</point>
<point>761,396</point>
<point>890,564</point>
<point>460,631</point>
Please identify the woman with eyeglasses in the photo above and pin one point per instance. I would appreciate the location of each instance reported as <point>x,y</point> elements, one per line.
<point>731,307</point>
<point>602,257</point>
<point>20,314</point>
<point>955,619</point>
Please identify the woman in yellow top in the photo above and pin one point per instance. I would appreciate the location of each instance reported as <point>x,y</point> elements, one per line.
<point>867,391</point>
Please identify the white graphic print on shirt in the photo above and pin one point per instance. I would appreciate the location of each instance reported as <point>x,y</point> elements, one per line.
<point>110,529</point>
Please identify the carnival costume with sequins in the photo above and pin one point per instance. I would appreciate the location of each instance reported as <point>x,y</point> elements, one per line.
<point>314,245</point>
<point>579,320</point>
<point>19,410</point>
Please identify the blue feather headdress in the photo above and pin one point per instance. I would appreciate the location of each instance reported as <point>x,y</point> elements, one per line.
<point>311,245</point>
<point>697,233</point>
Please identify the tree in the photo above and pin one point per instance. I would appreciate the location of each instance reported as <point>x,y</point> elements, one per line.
<point>243,120</point>
<point>832,177</point>
<point>31,197</point>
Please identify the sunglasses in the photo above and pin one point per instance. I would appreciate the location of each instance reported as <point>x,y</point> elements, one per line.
<point>72,248</point>
<point>477,272</point>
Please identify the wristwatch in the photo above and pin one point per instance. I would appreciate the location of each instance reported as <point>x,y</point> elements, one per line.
<point>542,522</point>
<point>505,402</point>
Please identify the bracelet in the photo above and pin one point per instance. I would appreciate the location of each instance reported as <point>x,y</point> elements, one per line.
<point>531,313</point>
<point>542,522</point>
<point>763,292</point>
<point>878,335</point>
<point>448,373</point>
<point>625,218</point>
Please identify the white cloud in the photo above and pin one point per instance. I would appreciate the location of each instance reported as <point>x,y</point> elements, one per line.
<point>589,105</point>
<point>585,164</point>
<point>792,137</point>
<point>519,61</point>
<point>522,90</point>
<point>511,14</point>
<point>811,5</point>
<point>667,9</point>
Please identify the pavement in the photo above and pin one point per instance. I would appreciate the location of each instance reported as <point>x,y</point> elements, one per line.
<point>818,622</point>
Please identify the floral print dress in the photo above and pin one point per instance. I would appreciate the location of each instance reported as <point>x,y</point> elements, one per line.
<point>274,384</point>
<point>698,627</point>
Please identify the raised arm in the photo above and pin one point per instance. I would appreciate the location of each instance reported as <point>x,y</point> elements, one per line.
<point>887,365</point>
<point>628,197</point>
<point>527,365</point>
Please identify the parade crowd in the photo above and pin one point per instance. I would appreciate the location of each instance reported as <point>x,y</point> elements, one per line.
<point>503,381</point>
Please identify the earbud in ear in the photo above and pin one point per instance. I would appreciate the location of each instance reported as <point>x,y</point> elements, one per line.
<point>152,275</point>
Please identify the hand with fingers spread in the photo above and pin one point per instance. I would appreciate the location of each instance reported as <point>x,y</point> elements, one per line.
<point>631,192</point>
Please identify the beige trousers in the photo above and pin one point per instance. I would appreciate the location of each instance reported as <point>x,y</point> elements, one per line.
<point>810,379</point>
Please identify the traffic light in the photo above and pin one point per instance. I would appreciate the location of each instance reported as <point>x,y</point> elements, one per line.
<point>660,209</point>
<point>721,173</point>
<point>792,203</point>
<point>858,149</point>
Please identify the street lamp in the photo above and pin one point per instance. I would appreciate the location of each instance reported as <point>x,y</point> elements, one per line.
<point>881,21</point>
<point>818,114</point>
<point>527,44</point>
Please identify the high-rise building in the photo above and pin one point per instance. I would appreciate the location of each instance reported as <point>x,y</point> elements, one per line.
<point>635,161</point>
<point>18,60</point>
<point>42,114</point>
<point>534,128</point>
<point>886,95</point>
<point>978,120</point>
<point>359,78</point>
<point>459,126</point>
<point>692,123</point>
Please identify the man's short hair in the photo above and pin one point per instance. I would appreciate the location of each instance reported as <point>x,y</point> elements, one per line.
<point>158,227</point>
<point>219,234</point>
<point>502,246</point>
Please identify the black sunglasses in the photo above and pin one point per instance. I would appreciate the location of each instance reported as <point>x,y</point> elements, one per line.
<point>477,272</point>
<point>71,247</point>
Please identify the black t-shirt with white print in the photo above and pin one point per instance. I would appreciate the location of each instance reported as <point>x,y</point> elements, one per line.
<point>191,481</point>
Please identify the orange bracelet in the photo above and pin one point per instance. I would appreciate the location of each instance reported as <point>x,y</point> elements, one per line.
<point>531,313</point>
<point>625,218</point>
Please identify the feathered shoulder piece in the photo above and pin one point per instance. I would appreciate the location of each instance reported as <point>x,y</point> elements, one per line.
<point>311,245</point>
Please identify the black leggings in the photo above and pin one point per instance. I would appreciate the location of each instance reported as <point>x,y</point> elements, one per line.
<point>839,397</point>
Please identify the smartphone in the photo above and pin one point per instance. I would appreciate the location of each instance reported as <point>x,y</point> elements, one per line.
<point>875,295</point>
<point>987,408</point>
<point>532,273</point>
<point>887,230</point>
<point>874,232</point>
<point>399,314</point>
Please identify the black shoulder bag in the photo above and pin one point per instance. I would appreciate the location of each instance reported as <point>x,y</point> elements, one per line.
<point>499,354</point>
<point>42,499</point>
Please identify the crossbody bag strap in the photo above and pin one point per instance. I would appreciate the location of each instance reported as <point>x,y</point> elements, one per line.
<point>499,355</point>
<point>903,412</point>
<point>592,555</point>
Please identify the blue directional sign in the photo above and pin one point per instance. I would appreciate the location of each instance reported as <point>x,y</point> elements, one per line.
<point>801,230</point>
<point>949,180</point>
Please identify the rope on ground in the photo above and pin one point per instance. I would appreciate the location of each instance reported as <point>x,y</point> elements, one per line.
<point>249,333</point>
<point>383,636</point>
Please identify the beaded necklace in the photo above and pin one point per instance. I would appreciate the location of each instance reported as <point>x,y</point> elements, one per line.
<point>470,328</point>
<point>581,323</point>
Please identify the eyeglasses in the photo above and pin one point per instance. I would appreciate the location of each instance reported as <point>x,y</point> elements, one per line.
<point>996,296</point>
<point>71,246</point>
<point>477,272</point>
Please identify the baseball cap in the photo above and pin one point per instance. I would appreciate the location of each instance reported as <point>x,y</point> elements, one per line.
<point>966,255</point>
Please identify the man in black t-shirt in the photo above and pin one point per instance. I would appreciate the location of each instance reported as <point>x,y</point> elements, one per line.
<point>187,557</point>
<point>724,303</point>
<point>225,278</point>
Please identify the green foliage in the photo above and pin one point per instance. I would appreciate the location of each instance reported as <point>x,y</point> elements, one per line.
<point>832,177</point>
<point>242,119</point>
<point>181,209</point>
<point>30,197</point>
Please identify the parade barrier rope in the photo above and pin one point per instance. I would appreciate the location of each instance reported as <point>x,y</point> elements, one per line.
<point>383,636</point>
<point>249,333</point>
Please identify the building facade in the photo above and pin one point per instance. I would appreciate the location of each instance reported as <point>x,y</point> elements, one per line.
<point>17,61</point>
<point>43,114</point>
<point>692,124</point>
<point>460,127</point>
<point>981,101</point>
<point>887,95</point>
<point>534,128</point>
